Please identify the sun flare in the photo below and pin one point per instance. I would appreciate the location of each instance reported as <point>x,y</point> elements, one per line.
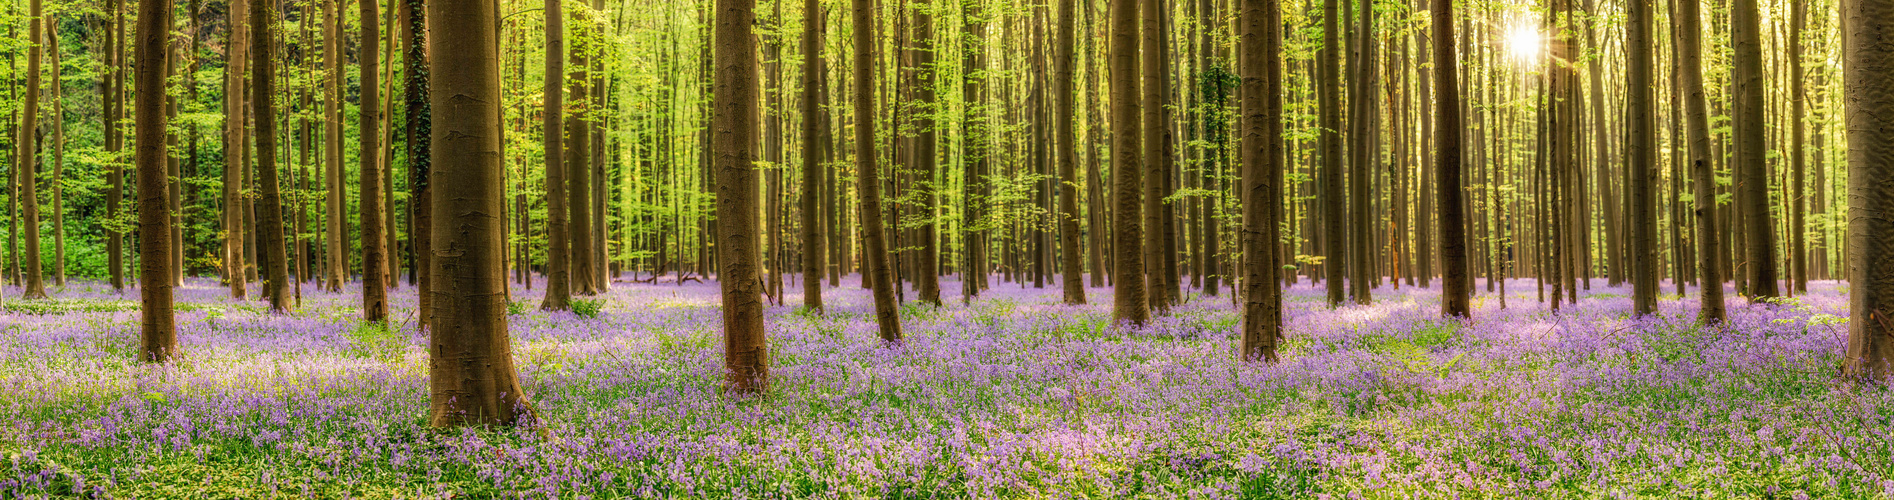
<point>1525,42</point>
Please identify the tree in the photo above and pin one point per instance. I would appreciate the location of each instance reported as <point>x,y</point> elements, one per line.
<point>158,323</point>
<point>579,166</point>
<point>1364,145</point>
<point>420,159</point>
<point>114,106</point>
<point>374,277</point>
<point>1334,235</point>
<point>1155,153</point>
<point>1703,176</point>
<point>234,139</point>
<point>26,157</point>
<point>1072,278</point>
<point>270,207</point>
<point>1867,59</point>
<point>338,259</point>
<point>926,261</point>
<point>1127,240</point>
<point>1259,50</point>
<point>1798,171</point>
<point>558,242</point>
<point>814,132</point>
<point>879,276</point>
<point>1638,150</point>
<point>1455,287</point>
<point>733,131</point>
<point>471,376</point>
<point>1748,134</point>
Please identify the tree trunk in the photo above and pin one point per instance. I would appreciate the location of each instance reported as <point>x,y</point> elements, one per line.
<point>1261,67</point>
<point>270,207</point>
<point>471,376</point>
<point>1364,146</point>
<point>1334,235</point>
<point>1129,303</point>
<point>374,279</point>
<point>734,131</point>
<point>1156,163</point>
<point>1071,275</point>
<point>158,325</point>
<point>1639,152</point>
<point>338,269</point>
<point>814,132</point>
<point>878,274</point>
<point>558,242</point>
<point>579,168</point>
<point>420,160</point>
<point>1867,60</point>
<point>59,161</point>
<point>1697,125</point>
<point>1798,224</point>
<point>1749,132</point>
<point>26,155</point>
<point>1455,293</point>
<point>235,47</point>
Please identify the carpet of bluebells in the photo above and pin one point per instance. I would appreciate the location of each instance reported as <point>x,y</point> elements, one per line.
<point>1012,396</point>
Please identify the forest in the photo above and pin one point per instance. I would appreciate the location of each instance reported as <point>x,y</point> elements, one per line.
<point>947,249</point>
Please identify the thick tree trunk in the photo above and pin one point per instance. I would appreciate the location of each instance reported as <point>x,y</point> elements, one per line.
<point>1155,162</point>
<point>734,132</point>
<point>1261,99</point>
<point>158,324</point>
<point>338,265</point>
<point>270,207</point>
<point>1751,162</point>
<point>374,277</point>
<point>1456,289</point>
<point>579,172</point>
<point>1364,146</point>
<point>1867,60</point>
<point>1129,304</point>
<point>471,376</point>
<point>1640,135</point>
<point>1334,218</point>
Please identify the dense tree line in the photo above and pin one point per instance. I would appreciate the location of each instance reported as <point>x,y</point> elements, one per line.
<point>1170,149</point>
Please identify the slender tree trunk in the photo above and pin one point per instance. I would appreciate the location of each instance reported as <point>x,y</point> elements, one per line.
<point>472,379</point>
<point>337,252</point>
<point>236,46</point>
<point>558,242</point>
<point>374,279</point>
<point>1697,125</point>
<point>1156,163</point>
<point>1798,224</point>
<point>1867,59</point>
<point>59,160</point>
<point>579,168</point>
<point>26,154</point>
<point>814,132</point>
<point>420,160</point>
<point>879,274</point>
<point>1071,274</point>
<point>1364,144</point>
<point>270,207</point>
<point>1129,304</point>
<point>1334,236</point>
<point>158,324</point>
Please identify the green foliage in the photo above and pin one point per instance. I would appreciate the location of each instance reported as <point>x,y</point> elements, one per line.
<point>65,306</point>
<point>376,340</point>
<point>587,308</point>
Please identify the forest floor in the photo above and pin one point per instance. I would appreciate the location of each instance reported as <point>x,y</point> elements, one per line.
<point>1015,396</point>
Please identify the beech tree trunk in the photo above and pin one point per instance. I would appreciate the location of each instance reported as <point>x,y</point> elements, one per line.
<point>1156,160</point>
<point>1455,288</point>
<point>1867,61</point>
<point>26,155</point>
<point>338,258</point>
<point>879,275</point>
<point>733,131</point>
<point>270,208</point>
<point>1751,162</point>
<point>374,277</point>
<point>1640,135</point>
<point>1259,49</point>
<point>1129,303</point>
<point>1334,234</point>
<point>471,376</point>
<point>558,242</point>
<point>814,132</point>
<point>1070,267</point>
<point>158,324</point>
<point>1703,177</point>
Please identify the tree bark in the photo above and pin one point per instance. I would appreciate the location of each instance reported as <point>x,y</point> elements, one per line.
<point>1867,60</point>
<point>1456,289</point>
<point>1640,135</point>
<point>1071,275</point>
<point>1703,177</point>
<point>471,376</point>
<point>814,132</point>
<point>1129,304</point>
<point>733,132</point>
<point>879,277</point>
<point>558,242</point>
<point>1364,146</point>
<point>1156,162</point>
<point>1261,100</point>
<point>270,207</point>
<point>420,160</point>
<point>1749,131</point>
<point>579,166</point>
<point>26,155</point>
<point>158,324</point>
<point>338,258</point>
<point>374,279</point>
<point>1334,234</point>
